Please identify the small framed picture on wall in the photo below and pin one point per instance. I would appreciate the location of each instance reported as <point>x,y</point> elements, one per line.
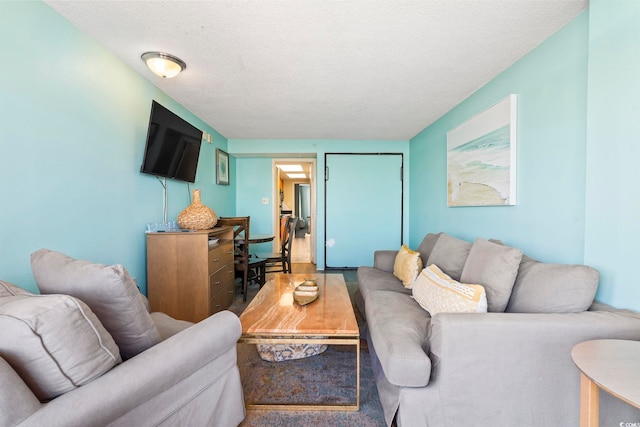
<point>222,167</point>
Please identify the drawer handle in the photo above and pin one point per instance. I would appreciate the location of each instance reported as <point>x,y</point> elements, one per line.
<point>216,260</point>
<point>217,305</point>
<point>230,271</point>
<point>216,282</point>
<point>230,292</point>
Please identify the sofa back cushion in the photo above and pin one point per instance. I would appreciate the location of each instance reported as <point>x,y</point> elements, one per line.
<point>107,289</point>
<point>426,246</point>
<point>495,267</point>
<point>54,342</point>
<point>553,288</point>
<point>449,254</point>
<point>9,289</point>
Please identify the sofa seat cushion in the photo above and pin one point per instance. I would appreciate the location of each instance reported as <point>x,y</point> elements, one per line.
<point>54,342</point>
<point>553,288</point>
<point>372,279</point>
<point>108,289</point>
<point>449,254</point>
<point>495,267</point>
<point>398,328</point>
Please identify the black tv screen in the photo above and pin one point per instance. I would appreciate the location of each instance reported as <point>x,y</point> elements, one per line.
<point>173,146</point>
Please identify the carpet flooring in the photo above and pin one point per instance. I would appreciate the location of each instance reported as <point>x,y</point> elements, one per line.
<point>326,378</point>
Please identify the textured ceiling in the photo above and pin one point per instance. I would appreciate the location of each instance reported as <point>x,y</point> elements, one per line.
<point>323,69</point>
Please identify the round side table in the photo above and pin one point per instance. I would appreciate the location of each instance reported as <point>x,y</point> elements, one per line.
<point>610,365</point>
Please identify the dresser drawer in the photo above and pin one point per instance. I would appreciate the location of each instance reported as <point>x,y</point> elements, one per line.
<point>219,256</point>
<point>221,279</point>
<point>222,299</point>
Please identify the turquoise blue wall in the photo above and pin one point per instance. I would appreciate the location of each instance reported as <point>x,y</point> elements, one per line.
<point>578,130</point>
<point>254,177</point>
<point>548,220</point>
<point>254,183</point>
<point>74,123</point>
<point>613,150</point>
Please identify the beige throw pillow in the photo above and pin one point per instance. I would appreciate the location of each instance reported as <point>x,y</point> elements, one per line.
<point>438,293</point>
<point>54,342</point>
<point>407,266</point>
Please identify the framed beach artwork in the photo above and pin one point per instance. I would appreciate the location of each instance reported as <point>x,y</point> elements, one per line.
<point>481,158</point>
<point>222,167</point>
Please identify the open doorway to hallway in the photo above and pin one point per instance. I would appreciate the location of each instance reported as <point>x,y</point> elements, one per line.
<point>295,187</point>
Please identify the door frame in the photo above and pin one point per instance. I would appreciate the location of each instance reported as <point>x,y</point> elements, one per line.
<point>312,201</point>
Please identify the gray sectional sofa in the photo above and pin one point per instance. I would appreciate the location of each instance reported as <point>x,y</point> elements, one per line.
<point>510,367</point>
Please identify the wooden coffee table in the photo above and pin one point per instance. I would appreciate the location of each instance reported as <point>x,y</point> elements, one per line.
<point>272,315</point>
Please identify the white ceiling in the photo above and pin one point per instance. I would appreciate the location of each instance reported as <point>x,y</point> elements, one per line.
<point>323,69</point>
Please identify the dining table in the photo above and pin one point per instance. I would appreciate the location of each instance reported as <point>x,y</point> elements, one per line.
<point>256,238</point>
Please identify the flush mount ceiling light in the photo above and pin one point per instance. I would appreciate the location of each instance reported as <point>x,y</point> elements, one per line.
<point>296,175</point>
<point>163,65</point>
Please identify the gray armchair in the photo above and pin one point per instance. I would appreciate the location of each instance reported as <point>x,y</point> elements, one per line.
<point>191,378</point>
<point>87,352</point>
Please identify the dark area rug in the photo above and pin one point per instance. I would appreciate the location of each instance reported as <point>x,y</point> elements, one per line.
<point>328,378</point>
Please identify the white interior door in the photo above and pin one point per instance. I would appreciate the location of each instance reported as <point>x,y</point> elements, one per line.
<point>363,207</point>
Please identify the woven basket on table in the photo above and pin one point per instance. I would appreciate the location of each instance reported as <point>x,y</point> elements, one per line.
<point>197,216</point>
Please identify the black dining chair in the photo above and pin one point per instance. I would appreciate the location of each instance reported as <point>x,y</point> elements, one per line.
<point>281,261</point>
<point>248,268</point>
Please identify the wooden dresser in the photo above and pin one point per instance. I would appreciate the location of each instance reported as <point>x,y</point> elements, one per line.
<point>189,277</point>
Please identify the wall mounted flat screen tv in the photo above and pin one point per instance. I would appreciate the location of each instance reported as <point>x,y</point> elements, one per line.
<point>173,146</point>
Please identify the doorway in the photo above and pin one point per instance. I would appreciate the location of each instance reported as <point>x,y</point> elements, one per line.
<point>295,187</point>
<point>302,209</point>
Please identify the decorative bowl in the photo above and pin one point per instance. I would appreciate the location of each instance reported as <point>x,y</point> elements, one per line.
<point>306,292</point>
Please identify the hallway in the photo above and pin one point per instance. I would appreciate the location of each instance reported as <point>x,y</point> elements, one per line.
<point>301,247</point>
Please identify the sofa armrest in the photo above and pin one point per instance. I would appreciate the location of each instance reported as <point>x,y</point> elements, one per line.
<point>493,333</point>
<point>481,359</point>
<point>384,260</point>
<point>168,326</point>
<point>17,401</point>
<point>146,375</point>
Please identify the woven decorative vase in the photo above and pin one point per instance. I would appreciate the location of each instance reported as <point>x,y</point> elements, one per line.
<point>197,216</point>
